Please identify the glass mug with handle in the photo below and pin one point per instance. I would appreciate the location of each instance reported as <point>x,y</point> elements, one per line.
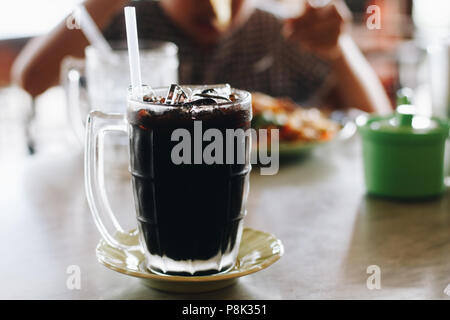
<point>189,215</point>
<point>99,83</point>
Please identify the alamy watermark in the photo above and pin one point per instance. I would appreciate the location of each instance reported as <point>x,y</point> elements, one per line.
<point>374,280</point>
<point>373,22</point>
<point>73,281</point>
<point>447,290</point>
<point>374,19</point>
<point>229,148</point>
<point>73,21</point>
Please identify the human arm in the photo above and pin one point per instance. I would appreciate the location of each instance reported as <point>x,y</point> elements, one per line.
<point>38,64</point>
<point>323,32</point>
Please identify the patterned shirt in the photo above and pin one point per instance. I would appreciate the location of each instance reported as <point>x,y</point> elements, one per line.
<point>256,57</point>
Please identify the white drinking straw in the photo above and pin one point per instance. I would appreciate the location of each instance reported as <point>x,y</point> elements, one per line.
<point>93,34</point>
<point>133,52</point>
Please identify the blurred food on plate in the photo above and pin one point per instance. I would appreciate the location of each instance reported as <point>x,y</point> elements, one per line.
<point>296,123</point>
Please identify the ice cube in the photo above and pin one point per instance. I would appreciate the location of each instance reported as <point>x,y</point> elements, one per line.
<point>219,92</point>
<point>213,96</point>
<point>201,95</point>
<point>201,102</point>
<point>217,89</point>
<point>188,92</point>
<point>176,95</point>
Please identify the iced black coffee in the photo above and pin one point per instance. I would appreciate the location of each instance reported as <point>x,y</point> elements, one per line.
<point>190,211</point>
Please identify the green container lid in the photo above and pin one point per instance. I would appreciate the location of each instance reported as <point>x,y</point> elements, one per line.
<point>405,126</point>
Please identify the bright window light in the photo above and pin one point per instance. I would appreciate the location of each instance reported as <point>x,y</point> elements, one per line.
<point>24,18</point>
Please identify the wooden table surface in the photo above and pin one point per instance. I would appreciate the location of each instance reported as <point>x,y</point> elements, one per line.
<point>317,206</point>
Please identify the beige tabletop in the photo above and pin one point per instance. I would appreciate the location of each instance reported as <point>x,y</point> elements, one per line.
<point>332,233</point>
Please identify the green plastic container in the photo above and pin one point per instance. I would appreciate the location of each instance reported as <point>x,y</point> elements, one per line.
<point>403,154</point>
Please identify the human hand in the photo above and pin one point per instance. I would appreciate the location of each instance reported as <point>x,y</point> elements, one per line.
<point>318,28</point>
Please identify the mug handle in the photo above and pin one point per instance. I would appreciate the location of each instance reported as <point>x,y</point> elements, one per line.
<point>98,124</point>
<point>73,69</point>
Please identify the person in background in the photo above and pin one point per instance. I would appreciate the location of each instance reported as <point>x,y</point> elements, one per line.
<point>306,58</point>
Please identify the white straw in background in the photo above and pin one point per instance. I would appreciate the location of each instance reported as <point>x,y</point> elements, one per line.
<point>93,34</point>
<point>133,52</point>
